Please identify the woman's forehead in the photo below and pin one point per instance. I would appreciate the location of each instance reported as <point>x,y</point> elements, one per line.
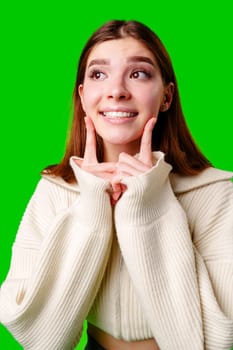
<point>123,48</point>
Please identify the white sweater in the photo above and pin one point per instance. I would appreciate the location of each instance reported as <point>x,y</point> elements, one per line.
<point>159,264</point>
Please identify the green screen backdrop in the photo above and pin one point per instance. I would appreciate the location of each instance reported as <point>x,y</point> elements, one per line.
<point>40,45</point>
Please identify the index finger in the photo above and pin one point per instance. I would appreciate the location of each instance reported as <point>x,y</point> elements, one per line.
<point>145,147</point>
<point>90,146</point>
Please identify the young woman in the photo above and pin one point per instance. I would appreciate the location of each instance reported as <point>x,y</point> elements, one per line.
<point>133,230</point>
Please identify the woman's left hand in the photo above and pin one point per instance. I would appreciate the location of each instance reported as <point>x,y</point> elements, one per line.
<point>131,165</point>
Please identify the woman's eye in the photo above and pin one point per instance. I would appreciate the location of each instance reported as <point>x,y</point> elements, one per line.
<point>140,75</point>
<point>97,75</point>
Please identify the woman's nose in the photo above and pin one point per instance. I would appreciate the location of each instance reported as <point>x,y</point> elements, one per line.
<point>117,90</point>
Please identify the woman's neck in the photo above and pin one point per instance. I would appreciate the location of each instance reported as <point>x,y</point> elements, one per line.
<point>111,151</point>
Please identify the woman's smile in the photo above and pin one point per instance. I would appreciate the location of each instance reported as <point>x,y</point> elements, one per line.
<point>119,116</point>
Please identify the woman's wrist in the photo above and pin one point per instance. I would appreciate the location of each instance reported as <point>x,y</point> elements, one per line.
<point>94,202</point>
<point>147,196</point>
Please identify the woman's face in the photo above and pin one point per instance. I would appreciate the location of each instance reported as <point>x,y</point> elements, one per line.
<point>122,90</point>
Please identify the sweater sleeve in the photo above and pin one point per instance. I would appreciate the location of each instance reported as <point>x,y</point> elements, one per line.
<point>58,260</point>
<point>156,244</point>
<point>210,210</point>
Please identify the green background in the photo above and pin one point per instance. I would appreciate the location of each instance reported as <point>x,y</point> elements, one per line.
<point>40,46</point>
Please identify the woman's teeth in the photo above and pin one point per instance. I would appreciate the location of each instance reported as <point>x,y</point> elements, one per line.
<point>119,114</point>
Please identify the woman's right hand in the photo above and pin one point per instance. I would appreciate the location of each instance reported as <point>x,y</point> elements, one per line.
<point>89,163</point>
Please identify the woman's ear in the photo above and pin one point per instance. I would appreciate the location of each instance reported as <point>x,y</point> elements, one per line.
<point>167,97</point>
<point>80,92</point>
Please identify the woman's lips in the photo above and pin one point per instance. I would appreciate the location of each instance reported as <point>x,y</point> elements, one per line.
<point>118,114</point>
<point>118,117</point>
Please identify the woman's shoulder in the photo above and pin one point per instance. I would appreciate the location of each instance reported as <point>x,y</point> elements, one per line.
<point>205,197</point>
<point>54,192</point>
<point>57,183</point>
<point>182,184</point>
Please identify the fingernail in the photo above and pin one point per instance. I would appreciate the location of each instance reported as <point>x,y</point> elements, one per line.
<point>154,120</point>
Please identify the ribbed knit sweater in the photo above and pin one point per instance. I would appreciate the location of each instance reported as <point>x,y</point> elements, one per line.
<point>157,265</point>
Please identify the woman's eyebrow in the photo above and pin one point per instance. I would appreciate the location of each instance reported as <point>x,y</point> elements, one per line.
<point>141,59</point>
<point>101,61</point>
<point>104,61</point>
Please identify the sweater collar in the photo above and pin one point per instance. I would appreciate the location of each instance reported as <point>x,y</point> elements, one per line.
<point>179,183</point>
<point>208,176</point>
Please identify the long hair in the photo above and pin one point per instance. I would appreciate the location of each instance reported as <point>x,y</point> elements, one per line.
<point>170,134</point>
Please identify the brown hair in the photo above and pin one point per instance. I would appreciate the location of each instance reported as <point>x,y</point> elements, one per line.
<point>170,134</point>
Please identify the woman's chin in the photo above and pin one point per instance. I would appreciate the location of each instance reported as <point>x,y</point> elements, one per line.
<point>122,141</point>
